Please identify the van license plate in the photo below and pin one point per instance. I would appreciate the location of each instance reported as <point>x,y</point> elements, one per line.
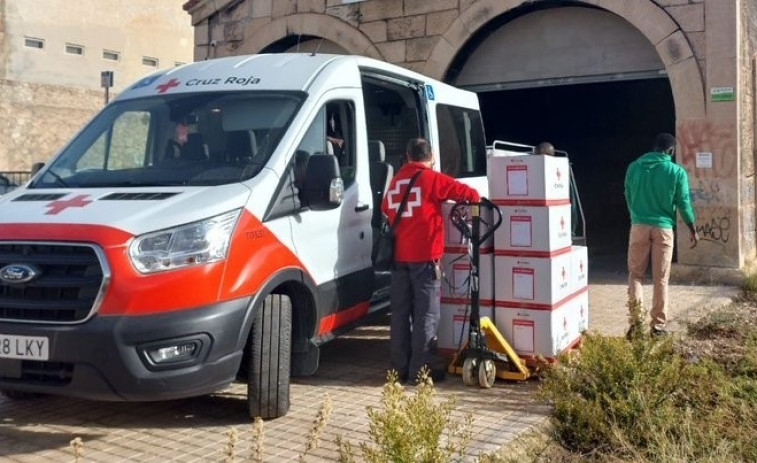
<point>24,347</point>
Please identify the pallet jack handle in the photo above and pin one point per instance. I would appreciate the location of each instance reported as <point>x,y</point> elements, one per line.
<point>476,361</point>
<point>476,241</point>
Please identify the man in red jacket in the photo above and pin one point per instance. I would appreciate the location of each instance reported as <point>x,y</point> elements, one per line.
<point>416,277</point>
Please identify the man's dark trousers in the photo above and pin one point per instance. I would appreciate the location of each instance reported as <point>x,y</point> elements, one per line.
<point>415,300</point>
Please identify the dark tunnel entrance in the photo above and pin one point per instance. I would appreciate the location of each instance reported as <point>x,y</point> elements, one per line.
<point>603,127</point>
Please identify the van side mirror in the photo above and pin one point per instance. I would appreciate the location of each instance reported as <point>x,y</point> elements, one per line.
<point>323,188</point>
<point>36,167</point>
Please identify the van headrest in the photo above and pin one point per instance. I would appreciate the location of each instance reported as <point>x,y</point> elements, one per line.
<point>193,149</point>
<point>376,151</point>
<point>238,146</point>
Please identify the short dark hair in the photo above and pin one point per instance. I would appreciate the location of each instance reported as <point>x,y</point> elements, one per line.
<point>419,150</point>
<point>664,142</point>
<point>545,148</point>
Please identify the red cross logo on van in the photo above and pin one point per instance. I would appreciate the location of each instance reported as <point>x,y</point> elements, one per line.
<point>163,88</point>
<point>56,207</point>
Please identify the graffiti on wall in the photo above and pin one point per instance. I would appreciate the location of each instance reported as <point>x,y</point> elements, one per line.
<point>715,229</point>
<point>704,136</point>
<point>705,192</point>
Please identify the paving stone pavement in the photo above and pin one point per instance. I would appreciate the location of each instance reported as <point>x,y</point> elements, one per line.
<point>352,374</point>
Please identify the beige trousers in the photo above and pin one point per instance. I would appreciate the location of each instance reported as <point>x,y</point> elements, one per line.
<point>643,241</point>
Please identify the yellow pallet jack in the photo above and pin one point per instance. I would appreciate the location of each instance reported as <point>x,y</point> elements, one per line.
<point>486,355</point>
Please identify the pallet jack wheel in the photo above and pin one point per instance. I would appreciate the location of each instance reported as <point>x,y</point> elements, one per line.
<point>470,371</point>
<point>487,373</point>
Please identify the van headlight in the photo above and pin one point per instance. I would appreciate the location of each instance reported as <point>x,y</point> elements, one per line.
<point>195,243</point>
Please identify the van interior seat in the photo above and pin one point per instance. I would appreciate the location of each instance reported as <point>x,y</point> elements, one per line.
<point>381,174</point>
<point>238,146</point>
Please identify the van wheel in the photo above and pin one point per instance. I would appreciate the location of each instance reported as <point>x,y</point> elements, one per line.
<point>20,395</point>
<point>270,348</point>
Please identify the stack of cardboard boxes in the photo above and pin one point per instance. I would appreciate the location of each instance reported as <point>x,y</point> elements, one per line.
<point>541,294</point>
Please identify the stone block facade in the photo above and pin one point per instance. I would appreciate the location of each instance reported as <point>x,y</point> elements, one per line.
<point>696,40</point>
<point>36,120</point>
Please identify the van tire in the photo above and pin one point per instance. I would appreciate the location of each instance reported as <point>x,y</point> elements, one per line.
<point>270,349</point>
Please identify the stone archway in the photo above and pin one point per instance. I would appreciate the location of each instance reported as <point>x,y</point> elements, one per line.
<point>651,20</point>
<point>328,27</point>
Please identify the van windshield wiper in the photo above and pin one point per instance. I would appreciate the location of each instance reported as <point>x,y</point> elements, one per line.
<point>57,178</point>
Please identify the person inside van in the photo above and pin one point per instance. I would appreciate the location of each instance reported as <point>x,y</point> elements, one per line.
<point>334,134</point>
<point>545,148</point>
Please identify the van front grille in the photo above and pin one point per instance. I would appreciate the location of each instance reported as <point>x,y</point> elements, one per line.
<point>68,282</point>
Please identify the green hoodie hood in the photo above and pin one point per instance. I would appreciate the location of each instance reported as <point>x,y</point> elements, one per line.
<point>655,189</point>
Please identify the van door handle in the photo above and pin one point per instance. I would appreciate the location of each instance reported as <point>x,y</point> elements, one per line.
<point>361,207</point>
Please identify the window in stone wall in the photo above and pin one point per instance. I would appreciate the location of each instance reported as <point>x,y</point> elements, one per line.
<point>111,55</point>
<point>32,42</point>
<point>148,61</point>
<point>73,49</point>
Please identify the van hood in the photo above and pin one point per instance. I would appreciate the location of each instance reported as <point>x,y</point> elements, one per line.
<point>132,210</point>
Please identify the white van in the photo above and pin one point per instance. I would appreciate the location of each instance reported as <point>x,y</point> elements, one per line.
<point>215,222</point>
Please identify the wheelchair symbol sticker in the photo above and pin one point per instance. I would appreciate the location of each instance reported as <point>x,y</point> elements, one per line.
<point>430,92</point>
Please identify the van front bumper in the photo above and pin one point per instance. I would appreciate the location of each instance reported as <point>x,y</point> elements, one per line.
<point>106,358</point>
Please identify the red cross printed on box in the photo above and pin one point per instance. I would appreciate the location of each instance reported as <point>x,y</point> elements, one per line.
<point>559,175</point>
<point>564,324</point>
<point>163,88</point>
<point>581,266</point>
<point>563,273</point>
<point>562,222</point>
<point>56,207</point>
<point>582,310</point>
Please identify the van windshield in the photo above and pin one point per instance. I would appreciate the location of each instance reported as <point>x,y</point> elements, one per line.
<point>166,140</point>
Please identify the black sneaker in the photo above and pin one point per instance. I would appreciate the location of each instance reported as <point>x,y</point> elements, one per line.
<point>659,332</point>
<point>438,375</point>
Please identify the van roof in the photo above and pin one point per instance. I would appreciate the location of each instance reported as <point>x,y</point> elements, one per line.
<point>281,71</point>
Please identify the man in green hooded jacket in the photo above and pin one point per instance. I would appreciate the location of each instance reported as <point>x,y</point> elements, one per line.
<point>655,189</point>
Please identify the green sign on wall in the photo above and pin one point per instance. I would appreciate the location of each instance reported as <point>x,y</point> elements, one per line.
<point>722,94</point>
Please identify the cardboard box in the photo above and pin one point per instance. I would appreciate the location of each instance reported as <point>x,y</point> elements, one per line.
<point>453,324</point>
<point>533,230</point>
<point>453,239</point>
<point>528,178</point>
<point>456,281</point>
<point>539,332</point>
<point>579,268</point>
<point>534,282</point>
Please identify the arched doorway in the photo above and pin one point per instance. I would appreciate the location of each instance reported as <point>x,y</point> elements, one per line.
<point>305,44</point>
<point>584,79</point>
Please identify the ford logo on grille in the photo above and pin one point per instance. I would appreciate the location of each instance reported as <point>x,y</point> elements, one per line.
<point>18,273</point>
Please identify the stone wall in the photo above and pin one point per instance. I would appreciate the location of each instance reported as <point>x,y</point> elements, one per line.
<point>36,120</point>
<point>747,94</point>
<point>697,41</point>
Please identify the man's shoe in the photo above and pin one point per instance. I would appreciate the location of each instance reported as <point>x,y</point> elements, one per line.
<point>659,332</point>
<point>438,375</point>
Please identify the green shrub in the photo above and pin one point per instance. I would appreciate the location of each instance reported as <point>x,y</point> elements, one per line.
<point>749,285</point>
<point>413,428</point>
<point>641,401</point>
